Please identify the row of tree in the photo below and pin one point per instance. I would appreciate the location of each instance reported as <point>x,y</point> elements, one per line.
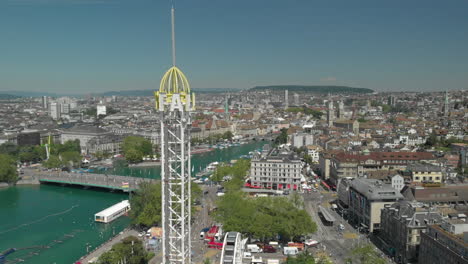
<point>264,218</point>
<point>146,203</point>
<point>130,251</point>
<point>8,172</point>
<point>213,139</point>
<point>135,148</point>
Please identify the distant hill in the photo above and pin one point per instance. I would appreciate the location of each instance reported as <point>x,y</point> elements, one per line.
<point>8,97</point>
<point>29,93</point>
<point>313,88</point>
<point>151,92</point>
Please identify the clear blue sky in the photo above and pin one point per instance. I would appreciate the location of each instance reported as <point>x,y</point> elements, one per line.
<point>81,46</point>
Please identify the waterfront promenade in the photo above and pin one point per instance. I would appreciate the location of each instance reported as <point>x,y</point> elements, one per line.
<point>97,252</point>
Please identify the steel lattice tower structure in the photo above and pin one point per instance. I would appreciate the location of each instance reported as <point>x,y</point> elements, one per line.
<point>174,103</point>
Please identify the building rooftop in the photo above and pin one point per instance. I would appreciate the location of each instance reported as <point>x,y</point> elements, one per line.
<point>424,168</point>
<point>375,189</point>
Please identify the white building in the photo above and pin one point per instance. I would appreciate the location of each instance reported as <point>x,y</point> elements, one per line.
<point>398,182</point>
<point>301,139</point>
<point>276,171</point>
<point>55,110</point>
<point>101,110</point>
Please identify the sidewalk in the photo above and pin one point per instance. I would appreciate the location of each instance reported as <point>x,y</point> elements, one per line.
<point>96,253</point>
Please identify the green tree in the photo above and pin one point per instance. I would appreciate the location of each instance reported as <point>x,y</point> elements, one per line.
<point>69,145</point>
<point>282,138</point>
<point>8,172</point>
<point>133,155</point>
<point>130,251</point>
<point>9,148</point>
<point>228,135</point>
<point>303,258</point>
<point>431,140</point>
<point>146,205</point>
<point>53,162</point>
<point>365,255</point>
<point>27,156</point>
<point>135,148</point>
<point>262,218</point>
<point>71,158</point>
<point>119,163</point>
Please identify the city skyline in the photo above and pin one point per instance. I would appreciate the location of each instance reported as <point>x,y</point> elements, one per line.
<point>83,46</point>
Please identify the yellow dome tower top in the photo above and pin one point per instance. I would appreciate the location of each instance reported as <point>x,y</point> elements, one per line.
<point>173,83</point>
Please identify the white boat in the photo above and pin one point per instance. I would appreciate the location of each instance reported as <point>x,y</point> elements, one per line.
<point>110,214</point>
<point>212,166</point>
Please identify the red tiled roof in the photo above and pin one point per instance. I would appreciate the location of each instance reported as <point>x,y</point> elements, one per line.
<point>379,156</point>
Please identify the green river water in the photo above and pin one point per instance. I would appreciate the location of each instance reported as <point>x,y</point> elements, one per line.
<point>61,218</point>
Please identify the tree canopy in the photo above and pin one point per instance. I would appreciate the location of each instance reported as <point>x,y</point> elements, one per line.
<point>8,171</point>
<point>282,138</point>
<point>135,148</point>
<point>130,251</point>
<point>365,255</point>
<point>146,203</point>
<point>263,218</point>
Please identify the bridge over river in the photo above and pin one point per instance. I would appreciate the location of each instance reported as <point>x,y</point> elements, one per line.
<point>88,180</point>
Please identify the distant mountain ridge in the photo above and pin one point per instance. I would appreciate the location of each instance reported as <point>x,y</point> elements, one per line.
<point>8,96</point>
<point>314,88</point>
<point>151,92</point>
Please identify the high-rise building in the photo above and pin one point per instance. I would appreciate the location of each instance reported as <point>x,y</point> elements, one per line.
<point>330,114</point>
<point>296,99</point>
<point>65,108</point>
<point>340,110</point>
<point>286,99</point>
<point>44,102</point>
<point>55,110</point>
<point>446,105</point>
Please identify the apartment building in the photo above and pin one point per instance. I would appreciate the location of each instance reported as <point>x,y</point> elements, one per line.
<point>445,243</point>
<point>425,173</point>
<point>345,164</point>
<point>279,170</point>
<point>367,197</point>
<point>401,226</point>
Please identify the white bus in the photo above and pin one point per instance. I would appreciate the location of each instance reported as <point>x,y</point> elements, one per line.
<point>113,212</point>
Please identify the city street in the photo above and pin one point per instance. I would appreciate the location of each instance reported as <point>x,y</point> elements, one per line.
<point>338,244</point>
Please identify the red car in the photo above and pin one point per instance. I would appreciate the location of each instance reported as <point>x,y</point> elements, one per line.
<point>268,249</point>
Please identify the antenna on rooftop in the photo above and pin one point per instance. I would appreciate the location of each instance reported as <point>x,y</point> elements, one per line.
<point>173,34</point>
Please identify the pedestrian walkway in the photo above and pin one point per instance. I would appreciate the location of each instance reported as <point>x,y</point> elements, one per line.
<point>96,253</point>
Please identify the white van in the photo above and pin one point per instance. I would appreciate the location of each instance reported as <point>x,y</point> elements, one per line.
<point>254,248</point>
<point>273,261</point>
<point>291,251</point>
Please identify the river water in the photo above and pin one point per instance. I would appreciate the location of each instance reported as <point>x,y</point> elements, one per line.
<point>58,221</point>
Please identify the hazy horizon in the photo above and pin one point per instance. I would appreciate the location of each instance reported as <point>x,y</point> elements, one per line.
<point>96,46</point>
